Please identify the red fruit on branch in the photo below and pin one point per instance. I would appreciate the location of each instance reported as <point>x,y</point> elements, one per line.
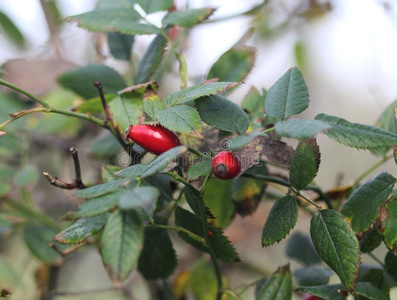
<point>155,139</point>
<point>311,297</point>
<point>226,165</point>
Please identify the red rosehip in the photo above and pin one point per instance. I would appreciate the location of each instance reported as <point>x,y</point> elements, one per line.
<point>311,297</point>
<point>155,139</point>
<point>173,32</point>
<point>226,165</point>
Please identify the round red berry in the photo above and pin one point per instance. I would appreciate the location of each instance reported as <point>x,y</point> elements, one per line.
<point>226,165</point>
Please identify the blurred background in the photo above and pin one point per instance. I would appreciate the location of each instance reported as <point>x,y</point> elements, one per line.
<point>345,49</point>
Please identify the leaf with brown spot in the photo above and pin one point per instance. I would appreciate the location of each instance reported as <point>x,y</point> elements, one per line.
<point>388,222</point>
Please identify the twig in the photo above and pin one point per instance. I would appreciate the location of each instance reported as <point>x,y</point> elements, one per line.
<point>54,294</point>
<point>78,181</point>
<point>98,85</point>
<point>77,184</point>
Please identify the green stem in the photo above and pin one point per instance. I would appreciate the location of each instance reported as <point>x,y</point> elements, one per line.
<point>87,117</point>
<point>371,169</point>
<point>307,199</point>
<point>376,259</point>
<point>195,151</point>
<point>179,229</point>
<point>203,217</point>
<point>204,223</point>
<point>26,93</point>
<point>268,130</point>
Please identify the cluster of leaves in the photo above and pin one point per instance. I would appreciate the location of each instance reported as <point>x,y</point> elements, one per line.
<point>130,213</point>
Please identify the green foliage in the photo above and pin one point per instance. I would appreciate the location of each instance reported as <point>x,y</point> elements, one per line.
<point>234,64</point>
<point>326,292</point>
<point>282,218</point>
<point>305,164</point>
<point>10,29</point>
<point>388,224</point>
<point>138,197</point>
<point>120,45</point>
<point>357,135</point>
<point>288,96</point>
<point>120,244</point>
<point>201,168</point>
<point>300,128</point>
<point>102,189</point>
<point>81,229</point>
<point>363,206</point>
<point>113,18</point>
<point>151,60</point>
<point>222,113</point>
<point>188,18</point>
<point>300,247</point>
<point>151,6</point>
<point>278,287</point>
<point>337,245</point>
<point>80,80</point>
<point>181,118</point>
<point>312,276</point>
<point>197,91</point>
<point>158,257</point>
<point>126,109</point>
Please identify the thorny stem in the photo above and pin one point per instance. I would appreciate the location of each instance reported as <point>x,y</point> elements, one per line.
<point>280,182</point>
<point>204,223</point>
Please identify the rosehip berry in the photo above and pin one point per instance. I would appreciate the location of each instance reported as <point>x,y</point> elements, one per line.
<point>226,165</point>
<point>311,297</point>
<point>155,139</point>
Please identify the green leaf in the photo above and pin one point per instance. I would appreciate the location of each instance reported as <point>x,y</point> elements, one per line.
<point>120,244</point>
<point>305,164</point>
<point>101,189</point>
<point>388,218</point>
<point>82,229</point>
<point>222,113</point>
<point>300,247</point>
<point>152,107</point>
<point>126,109</point>
<point>201,168</point>
<point>93,105</point>
<point>371,240</point>
<point>27,176</point>
<point>151,60</point>
<point>97,205</point>
<point>10,30</point>
<point>391,265</point>
<point>288,96</point>
<point>181,118</point>
<point>197,91</point>
<point>81,80</point>
<point>188,18</point>
<point>363,206</point>
<point>386,120</point>
<point>253,101</point>
<point>367,290</point>
<point>120,45</point>
<point>142,196</point>
<point>300,128</point>
<point>234,65</point>
<point>162,161</point>
<point>107,172</point>
<point>218,197</point>
<point>161,182</point>
<point>158,257</point>
<point>326,292</point>
<point>337,245</point>
<point>223,249</point>
<point>151,6</point>
<point>202,281</point>
<point>312,276</point>
<point>37,239</point>
<point>120,19</point>
<point>278,287</point>
<point>131,171</point>
<point>243,140</point>
<point>105,146</point>
<point>282,218</point>
<point>356,135</point>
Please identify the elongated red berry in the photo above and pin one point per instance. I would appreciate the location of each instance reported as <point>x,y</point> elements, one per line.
<point>226,165</point>
<point>153,138</point>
